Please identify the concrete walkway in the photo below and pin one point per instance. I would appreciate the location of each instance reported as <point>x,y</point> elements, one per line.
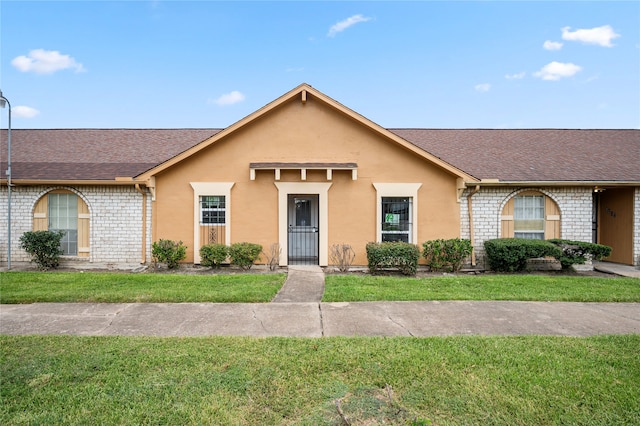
<point>304,283</point>
<point>321,319</point>
<point>296,311</point>
<point>617,269</point>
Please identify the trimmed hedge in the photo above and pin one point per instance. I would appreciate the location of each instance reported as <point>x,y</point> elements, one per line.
<point>577,252</point>
<point>169,252</point>
<point>213,255</point>
<point>244,254</point>
<point>511,254</point>
<point>43,247</point>
<point>395,255</point>
<point>446,254</point>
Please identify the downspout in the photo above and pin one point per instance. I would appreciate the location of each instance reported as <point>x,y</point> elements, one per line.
<point>143,257</point>
<point>471,231</point>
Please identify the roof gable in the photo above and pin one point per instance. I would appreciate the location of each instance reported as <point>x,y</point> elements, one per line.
<point>303,92</point>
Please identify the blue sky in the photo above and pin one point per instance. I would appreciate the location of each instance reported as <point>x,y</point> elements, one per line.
<point>161,64</point>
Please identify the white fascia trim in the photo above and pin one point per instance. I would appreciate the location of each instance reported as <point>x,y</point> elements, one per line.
<point>306,188</point>
<point>210,188</point>
<point>397,190</point>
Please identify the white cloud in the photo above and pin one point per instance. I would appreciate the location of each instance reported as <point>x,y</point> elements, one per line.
<point>343,25</point>
<point>552,45</point>
<point>557,70</point>
<point>518,76</point>
<point>484,87</point>
<point>229,98</point>
<point>43,61</point>
<point>601,36</point>
<point>24,112</point>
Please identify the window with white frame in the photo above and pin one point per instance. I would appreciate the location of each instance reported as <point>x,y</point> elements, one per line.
<point>397,217</point>
<point>528,217</point>
<point>212,210</point>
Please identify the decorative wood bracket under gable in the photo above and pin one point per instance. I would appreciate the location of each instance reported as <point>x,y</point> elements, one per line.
<point>303,167</point>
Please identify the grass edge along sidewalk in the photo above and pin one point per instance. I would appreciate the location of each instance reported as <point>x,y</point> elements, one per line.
<point>101,287</point>
<point>31,287</point>
<point>515,287</point>
<point>233,380</point>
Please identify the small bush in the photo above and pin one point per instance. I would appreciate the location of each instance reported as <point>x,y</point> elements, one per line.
<point>273,257</point>
<point>396,255</point>
<point>446,254</point>
<point>577,252</point>
<point>342,256</point>
<point>169,252</point>
<point>511,254</point>
<point>244,254</point>
<point>43,247</point>
<point>213,255</point>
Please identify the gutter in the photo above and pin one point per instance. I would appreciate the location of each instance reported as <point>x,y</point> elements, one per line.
<point>471,230</point>
<point>68,182</point>
<point>143,255</point>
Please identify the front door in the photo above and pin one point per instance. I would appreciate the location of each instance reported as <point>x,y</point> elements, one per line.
<point>303,229</point>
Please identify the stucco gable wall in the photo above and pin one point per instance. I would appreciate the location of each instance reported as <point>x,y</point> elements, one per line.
<point>295,133</point>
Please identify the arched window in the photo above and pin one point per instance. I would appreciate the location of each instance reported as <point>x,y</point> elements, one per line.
<point>531,215</point>
<point>62,210</point>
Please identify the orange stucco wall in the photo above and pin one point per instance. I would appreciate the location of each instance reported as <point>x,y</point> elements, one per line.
<point>305,132</point>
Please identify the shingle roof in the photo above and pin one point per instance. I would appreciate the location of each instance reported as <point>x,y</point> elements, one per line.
<point>535,155</point>
<point>94,154</point>
<point>508,155</point>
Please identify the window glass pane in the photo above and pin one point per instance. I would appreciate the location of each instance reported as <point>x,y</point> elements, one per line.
<point>528,215</point>
<point>530,235</point>
<point>212,209</point>
<point>303,211</point>
<point>396,218</point>
<point>63,216</point>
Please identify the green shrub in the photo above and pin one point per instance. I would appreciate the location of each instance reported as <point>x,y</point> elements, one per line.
<point>169,252</point>
<point>244,254</point>
<point>577,252</point>
<point>396,255</point>
<point>446,254</point>
<point>213,255</point>
<point>511,254</point>
<point>43,247</point>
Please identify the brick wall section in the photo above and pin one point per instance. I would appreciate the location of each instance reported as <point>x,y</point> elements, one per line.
<point>115,223</point>
<point>575,213</point>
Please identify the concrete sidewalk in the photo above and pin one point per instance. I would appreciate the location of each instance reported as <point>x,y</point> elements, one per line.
<point>322,319</point>
<point>296,311</point>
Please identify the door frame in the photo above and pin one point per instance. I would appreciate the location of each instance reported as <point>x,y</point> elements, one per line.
<point>321,189</point>
<point>303,239</point>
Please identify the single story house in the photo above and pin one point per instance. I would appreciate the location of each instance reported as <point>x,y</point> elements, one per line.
<point>306,172</point>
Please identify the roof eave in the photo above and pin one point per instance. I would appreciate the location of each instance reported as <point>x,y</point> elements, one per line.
<point>115,182</point>
<point>582,183</point>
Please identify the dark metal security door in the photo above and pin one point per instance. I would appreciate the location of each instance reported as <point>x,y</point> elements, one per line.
<point>303,229</point>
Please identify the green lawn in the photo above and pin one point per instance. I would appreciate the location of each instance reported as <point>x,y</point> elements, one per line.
<point>232,380</point>
<point>30,287</point>
<point>352,288</point>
